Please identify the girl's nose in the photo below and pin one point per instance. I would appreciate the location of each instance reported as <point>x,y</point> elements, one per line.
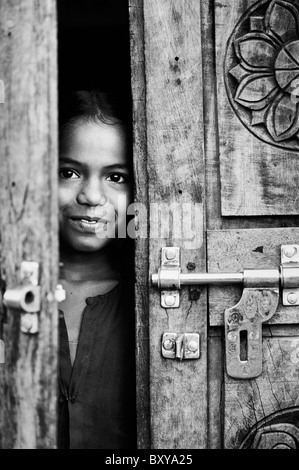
<point>92,193</point>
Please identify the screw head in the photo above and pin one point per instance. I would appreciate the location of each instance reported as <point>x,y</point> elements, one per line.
<point>26,322</point>
<point>292,298</point>
<point>232,336</point>
<point>168,345</point>
<point>193,346</point>
<point>253,335</point>
<point>170,253</point>
<point>289,251</point>
<point>169,300</point>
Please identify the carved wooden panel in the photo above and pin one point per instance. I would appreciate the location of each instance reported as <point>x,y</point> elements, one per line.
<point>257,55</point>
<point>262,70</point>
<point>247,402</point>
<point>277,431</point>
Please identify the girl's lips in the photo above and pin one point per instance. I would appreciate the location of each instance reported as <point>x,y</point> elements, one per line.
<point>88,225</point>
<point>87,218</point>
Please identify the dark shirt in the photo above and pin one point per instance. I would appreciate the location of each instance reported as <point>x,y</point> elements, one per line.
<point>97,395</point>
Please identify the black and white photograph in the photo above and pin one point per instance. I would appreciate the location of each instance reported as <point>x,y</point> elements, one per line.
<point>149,228</point>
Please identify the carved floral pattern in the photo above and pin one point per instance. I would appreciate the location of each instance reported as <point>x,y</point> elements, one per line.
<point>262,72</point>
<point>277,431</point>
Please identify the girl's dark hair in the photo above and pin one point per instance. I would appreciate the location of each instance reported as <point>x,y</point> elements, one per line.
<point>96,106</point>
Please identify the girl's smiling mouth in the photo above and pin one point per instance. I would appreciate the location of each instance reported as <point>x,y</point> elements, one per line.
<point>86,224</point>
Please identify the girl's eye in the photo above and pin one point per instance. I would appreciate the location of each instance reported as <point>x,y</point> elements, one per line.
<point>66,173</point>
<point>117,178</point>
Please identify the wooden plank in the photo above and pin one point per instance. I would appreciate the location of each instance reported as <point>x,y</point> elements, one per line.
<point>141,243</point>
<point>213,211</point>
<point>268,330</point>
<point>28,218</point>
<point>280,330</point>
<point>235,250</point>
<point>214,221</point>
<point>176,175</point>
<point>258,154</point>
<point>247,402</point>
<point>215,384</point>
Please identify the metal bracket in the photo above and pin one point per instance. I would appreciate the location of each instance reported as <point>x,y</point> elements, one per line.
<point>243,331</point>
<point>29,272</point>
<point>26,297</point>
<point>181,346</point>
<point>169,277</point>
<point>170,299</point>
<point>290,274</point>
<point>29,323</point>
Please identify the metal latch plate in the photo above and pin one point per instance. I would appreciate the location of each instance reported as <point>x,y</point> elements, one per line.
<point>290,274</point>
<point>26,297</point>
<point>181,346</point>
<point>170,299</point>
<point>170,266</point>
<point>255,307</point>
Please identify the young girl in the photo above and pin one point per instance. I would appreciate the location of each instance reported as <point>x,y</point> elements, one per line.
<point>97,343</point>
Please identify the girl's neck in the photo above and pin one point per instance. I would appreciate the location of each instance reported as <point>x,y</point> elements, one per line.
<point>87,266</point>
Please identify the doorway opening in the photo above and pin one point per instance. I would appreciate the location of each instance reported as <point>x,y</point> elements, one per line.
<point>93,45</point>
<point>94,54</point>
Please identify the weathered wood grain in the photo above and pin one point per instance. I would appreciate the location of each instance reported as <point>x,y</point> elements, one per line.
<point>141,243</point>
<point>28,216</point>
<point>256,178</point>
<point>215,18</point>
<point>211,142</point>
<point>213,213</point>
<point>235,250</point>
<point>172,178</point>
<point>215,384</point>
<point>176,175</point>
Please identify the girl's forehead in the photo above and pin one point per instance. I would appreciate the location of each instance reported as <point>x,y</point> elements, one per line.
<point>98,133</point>
<point>90,139</point>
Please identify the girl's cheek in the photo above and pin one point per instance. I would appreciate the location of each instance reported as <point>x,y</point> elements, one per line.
<point>65,193</point>
<point>61,197</point>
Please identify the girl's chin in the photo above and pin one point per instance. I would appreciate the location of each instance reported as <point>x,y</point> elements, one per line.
<point>87,246</point>
<point>92,247</point>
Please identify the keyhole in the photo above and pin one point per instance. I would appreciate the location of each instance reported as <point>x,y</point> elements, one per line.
<point>243,345</point>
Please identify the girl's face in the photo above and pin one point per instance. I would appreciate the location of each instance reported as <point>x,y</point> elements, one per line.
<point>94,189</point>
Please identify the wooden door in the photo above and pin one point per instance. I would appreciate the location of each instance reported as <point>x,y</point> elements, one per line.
<point>28,227</point>
<point>215,108</point>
